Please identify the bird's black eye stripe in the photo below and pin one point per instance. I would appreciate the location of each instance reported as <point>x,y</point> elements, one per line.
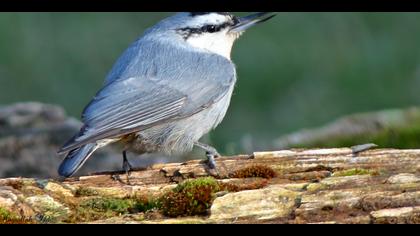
<point>204,29</point>
<point>210,28</point>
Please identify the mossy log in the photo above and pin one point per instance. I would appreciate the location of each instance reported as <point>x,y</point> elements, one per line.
<point>291,186</point>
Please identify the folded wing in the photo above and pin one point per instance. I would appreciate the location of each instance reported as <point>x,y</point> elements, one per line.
<point>138,100</point>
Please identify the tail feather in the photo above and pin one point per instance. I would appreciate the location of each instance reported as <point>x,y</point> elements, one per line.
<point>75,159</point>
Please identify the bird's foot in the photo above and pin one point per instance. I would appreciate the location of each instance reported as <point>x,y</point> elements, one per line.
<point>211,164</point>
<point>211,154</point>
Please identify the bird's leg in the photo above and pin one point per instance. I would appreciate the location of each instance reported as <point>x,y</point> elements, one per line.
<point>208,149</point>
<point>211,154</point>
<point>127,167</point>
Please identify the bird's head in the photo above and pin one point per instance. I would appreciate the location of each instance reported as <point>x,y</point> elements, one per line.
<point>212,31</point>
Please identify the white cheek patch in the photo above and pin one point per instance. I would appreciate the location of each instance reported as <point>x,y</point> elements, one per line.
<point>220,43</point>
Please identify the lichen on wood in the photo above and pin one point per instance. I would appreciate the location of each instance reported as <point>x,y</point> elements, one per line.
<point>289,186</point>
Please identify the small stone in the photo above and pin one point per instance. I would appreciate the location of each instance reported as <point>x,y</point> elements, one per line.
<point>7,197</point>
<point>403,178</point>
<point>48,209</point>
<point>25,211</point>
<point>392,212</point>
<point>269,203</point>
<point>32,190</point>
<point>397,215</point>
<point>58,189</point>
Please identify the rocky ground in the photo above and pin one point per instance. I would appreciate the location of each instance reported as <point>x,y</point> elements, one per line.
<point>294,186</point>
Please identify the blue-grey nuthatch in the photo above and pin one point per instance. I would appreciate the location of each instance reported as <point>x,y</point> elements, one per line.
<point>167,90</point>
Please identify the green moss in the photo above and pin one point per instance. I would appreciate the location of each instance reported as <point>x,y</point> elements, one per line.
<point>191,185</point>
<point>355,171</point>
<point>195,197</point>
<point>86,192</point>
<point>192,197</point>
<point>7,217</point>
<point>105,207</point>
<point>109,204</point>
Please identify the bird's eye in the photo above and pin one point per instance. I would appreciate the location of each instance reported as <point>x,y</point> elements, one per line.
<point>211,28</point>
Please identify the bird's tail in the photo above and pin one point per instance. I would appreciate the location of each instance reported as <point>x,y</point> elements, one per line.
<point>75,159</point>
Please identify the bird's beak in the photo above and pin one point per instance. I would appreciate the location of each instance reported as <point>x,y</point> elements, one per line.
<point>246,22</point>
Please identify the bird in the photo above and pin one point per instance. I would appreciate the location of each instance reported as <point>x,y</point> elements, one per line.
<point>168,89</point>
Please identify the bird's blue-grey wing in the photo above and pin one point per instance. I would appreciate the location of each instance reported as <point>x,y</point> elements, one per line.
<point>144,94</point>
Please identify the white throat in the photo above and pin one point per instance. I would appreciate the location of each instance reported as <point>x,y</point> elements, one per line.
<point>219,43</point>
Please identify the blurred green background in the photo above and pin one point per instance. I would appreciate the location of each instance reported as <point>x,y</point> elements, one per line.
<point>297,70</point>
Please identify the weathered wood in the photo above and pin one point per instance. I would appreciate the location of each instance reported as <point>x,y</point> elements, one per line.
<point>309,186</point>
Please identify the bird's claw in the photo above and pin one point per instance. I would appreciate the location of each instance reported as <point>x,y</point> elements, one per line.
<point>211,163</point>
<point>211,154</point>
